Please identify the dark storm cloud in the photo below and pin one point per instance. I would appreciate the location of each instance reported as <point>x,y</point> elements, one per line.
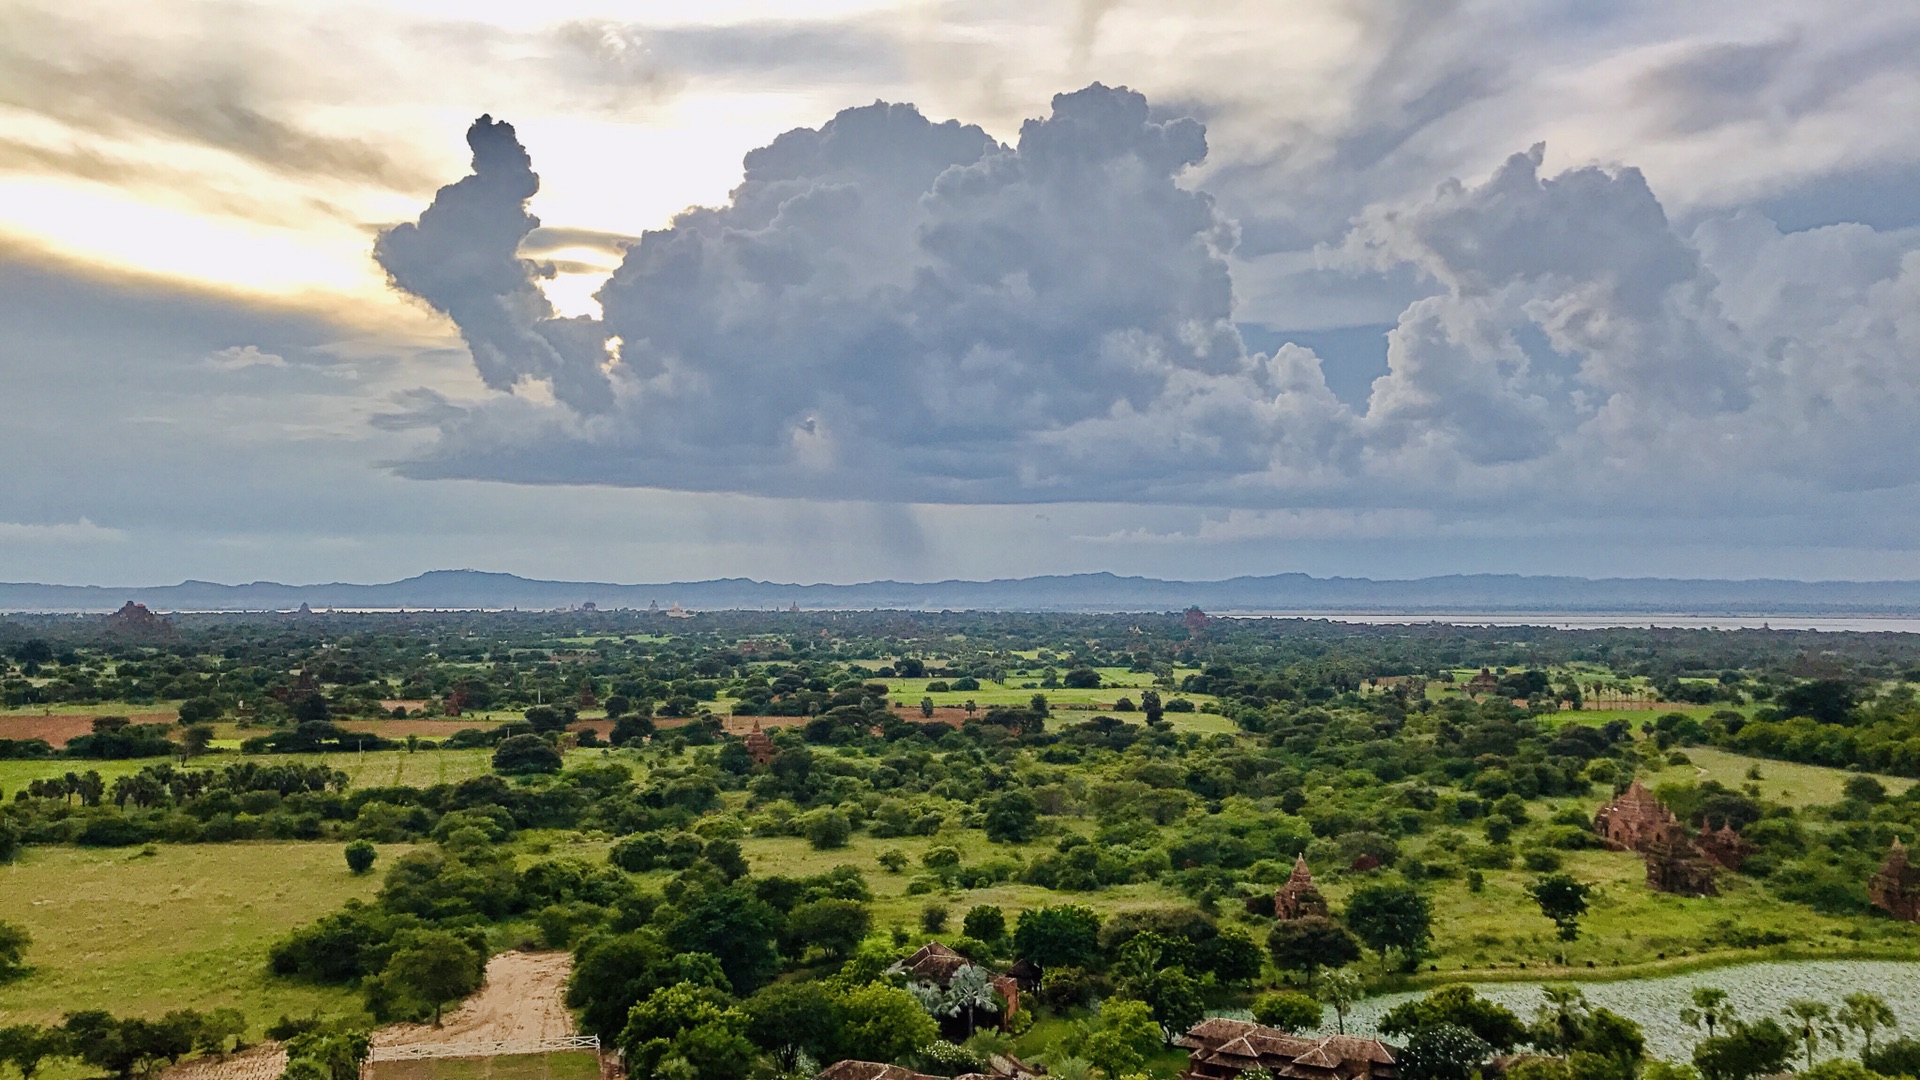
<point>462,257</point>
<point>893,309</point>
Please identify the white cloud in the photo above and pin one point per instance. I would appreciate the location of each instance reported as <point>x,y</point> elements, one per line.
<point>242,357</point>
<point>59,532</point>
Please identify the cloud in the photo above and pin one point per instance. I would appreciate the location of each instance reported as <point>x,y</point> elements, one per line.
<point>241,357</point>
<point>462,258</point>
<point>82,531</point>
<point>894,309</point>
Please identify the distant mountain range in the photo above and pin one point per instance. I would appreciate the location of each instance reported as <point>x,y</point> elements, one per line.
<point>1289,593</point>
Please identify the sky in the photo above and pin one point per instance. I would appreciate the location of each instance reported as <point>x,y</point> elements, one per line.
<point>848,289</point>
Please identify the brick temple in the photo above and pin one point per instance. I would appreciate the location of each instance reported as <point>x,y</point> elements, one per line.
<point>1896,888</point>
<point>1299,897</point>
<point>1677,861</point>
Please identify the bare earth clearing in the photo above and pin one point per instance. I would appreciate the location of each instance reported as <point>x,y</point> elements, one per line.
<point>520,1003</point>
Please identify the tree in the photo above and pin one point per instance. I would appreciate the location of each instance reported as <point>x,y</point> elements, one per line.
<point>1895,1057</point>
<point>792,1018</point>
<point>687,1031</point>
<point>327,1055</point>
<point>828,829</point>
<point>13,948</point>
<point>1865,1013</point>
<point>884,1023</point>
<point>1744,1052</point>
<point>1563,900</point>
<point>1288,1010</point>
<point>1310,943</point>
<point>833,926</point>
<point>1081,679</point>
<point>611,974</point>
<point>1174,998</point>
<point>985,922</point>
<point>360,856</point>
<point>195,740</point>
<point>433,967</point>
<point>969,993</point>
<point>1812,1024</point>
<point>1120,1043</point>
<point>926,708</point>
<point>735,926</point>
<point>1460,1006</point>
<point>1392,917</point>
<point>1064,935</point>
<point>1150,706</point>
<point>1444,1052</point>
<point>518,754</point>
<point>1340,989</point>
<point>27,1045</point>
<point>1709,1010</point>
<point>1010,817</point>
<point>1231,956</point>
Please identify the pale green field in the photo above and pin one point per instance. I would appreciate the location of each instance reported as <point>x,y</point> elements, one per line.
<point>1780,781</point>
<point>185,927</point>
<point>374,768</point>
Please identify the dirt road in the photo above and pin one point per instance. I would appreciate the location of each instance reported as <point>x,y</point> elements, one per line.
<point>520,1002</point>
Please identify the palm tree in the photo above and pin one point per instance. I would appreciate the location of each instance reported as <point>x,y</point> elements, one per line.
<point>1812,1022</point>
<point>1866,1013</point>
<point>1339,989</point>
<point>970,990</point>
<point>1710,1008</point>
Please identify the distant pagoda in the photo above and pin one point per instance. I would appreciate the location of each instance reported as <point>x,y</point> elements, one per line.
<point>1896,888</point>
<point>1299,898</point>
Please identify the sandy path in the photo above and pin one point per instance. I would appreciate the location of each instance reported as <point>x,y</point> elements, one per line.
<point>263,1062</point>
<point>521,1001</point>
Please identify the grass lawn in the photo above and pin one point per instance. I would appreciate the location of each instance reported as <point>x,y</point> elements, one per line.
<point>569,1065</point>
<point>1780,781</point>
<point>185,927</point>
<point>792,855</point>
<point>373,768</point>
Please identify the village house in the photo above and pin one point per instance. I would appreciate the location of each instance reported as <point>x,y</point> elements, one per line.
<point>1221,1049</point>
<point>936,964</point>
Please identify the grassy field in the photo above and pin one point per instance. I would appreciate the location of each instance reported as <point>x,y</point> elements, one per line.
<point>571,1065</point>
<point>187,926</point>
<point>1780,781</point>
<point>374,768</point>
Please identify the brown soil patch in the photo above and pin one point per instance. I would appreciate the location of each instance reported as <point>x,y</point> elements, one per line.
<point>736,725</point>
<point>436,729</point>
<point>950,715</point>
<point>520,1002</point>
<point>263,1062</point>
<point>59,728</point>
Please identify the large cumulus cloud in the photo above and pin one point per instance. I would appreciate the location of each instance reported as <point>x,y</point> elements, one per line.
<point>891,308</point>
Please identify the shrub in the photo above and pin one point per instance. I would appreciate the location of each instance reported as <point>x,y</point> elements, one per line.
<point>360,856</point>
<point>1288,1010</point>
<point>933,918</point>
<point>523,754</point>
<point>828,829</point>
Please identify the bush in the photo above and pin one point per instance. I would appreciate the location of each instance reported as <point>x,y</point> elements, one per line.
<point>828,829</point>
<point>1288,1010</point>
<point>360,856</point>
<point>523,754</point>
<point>933,918</point>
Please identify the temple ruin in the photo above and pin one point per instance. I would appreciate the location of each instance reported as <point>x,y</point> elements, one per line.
<point>1677,861</point>
<point>1299,897</point>
<point>1896,888</point>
